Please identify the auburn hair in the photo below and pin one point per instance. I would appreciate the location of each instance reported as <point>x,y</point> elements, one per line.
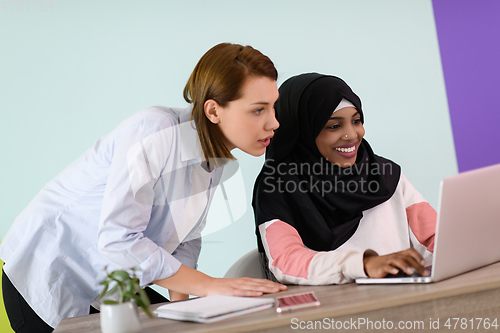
<point>220,75</point>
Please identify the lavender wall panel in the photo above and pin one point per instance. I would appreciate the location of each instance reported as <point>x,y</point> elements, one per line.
<point>469,41</point>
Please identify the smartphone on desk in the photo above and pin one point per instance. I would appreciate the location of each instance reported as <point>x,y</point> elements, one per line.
<point>294,302</point>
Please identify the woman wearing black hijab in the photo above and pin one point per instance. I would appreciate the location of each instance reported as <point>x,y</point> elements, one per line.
<point>328,210</point>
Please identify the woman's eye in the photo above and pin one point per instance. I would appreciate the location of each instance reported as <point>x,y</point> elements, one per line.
<point>334,126</point>
<point>357,121</point>
<point>258,111</point>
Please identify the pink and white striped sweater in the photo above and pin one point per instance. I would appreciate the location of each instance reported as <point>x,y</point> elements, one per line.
<point>405,220</point>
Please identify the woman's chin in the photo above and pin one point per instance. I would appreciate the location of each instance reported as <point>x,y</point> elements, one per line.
<point>345,163</point>
<point>349,163</point>
<point>254,152</point>
<point>258,154</point>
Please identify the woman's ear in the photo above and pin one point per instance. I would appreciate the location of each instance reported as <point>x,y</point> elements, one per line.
<point>212,108</point>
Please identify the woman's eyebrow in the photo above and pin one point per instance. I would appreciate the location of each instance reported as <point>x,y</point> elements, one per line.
<point>354,115</point>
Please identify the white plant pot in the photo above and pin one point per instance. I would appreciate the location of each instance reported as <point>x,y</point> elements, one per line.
<point>120,318</point>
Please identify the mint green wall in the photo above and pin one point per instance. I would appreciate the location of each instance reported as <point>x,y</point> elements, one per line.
<point>70,74</point>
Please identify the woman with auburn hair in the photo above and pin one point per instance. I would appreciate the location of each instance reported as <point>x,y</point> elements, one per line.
<point>328,210</point>
<point>139,198</point>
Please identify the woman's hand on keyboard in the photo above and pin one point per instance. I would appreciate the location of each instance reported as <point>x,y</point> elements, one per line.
<point>407,261</point>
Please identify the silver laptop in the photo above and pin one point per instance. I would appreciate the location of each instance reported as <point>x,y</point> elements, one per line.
<point>468,227</point>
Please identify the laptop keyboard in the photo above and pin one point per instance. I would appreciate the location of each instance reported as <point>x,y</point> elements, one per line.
<point>403,274</point>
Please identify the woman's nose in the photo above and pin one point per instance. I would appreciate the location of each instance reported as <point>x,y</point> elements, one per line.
<point>350,133</point>
<point>272,121</point>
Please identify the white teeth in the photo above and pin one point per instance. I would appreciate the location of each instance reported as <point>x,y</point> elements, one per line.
<point>346,150</point>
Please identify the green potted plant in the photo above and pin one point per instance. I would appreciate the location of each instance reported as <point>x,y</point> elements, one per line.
<point>121,315</point>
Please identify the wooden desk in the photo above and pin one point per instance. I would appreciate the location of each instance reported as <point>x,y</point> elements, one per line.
<point>472,295</point>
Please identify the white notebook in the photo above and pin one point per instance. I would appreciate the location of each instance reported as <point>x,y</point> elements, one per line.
<point>212,308</point>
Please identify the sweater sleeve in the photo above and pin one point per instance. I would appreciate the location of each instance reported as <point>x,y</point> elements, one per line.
<point>291,262</point>
<point>421,219</point>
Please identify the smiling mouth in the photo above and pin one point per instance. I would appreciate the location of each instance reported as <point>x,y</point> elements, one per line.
<point>346,150</point>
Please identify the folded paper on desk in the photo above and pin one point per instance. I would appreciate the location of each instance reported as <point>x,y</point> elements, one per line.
<point>212,308</point>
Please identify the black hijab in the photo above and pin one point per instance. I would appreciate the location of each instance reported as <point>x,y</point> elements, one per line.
<point>297,185</point>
